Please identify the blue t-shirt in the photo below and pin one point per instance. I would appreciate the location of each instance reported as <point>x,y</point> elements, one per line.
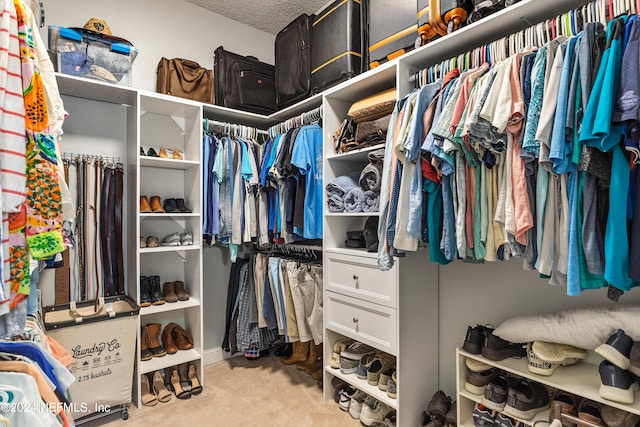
<point>307,157</point>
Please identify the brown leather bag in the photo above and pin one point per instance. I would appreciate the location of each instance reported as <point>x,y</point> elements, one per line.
<point>186,79</point>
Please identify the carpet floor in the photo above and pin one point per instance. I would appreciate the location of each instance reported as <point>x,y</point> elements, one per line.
<point>239,392</point>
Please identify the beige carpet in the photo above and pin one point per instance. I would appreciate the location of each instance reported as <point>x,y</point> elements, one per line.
<point>239,392</point>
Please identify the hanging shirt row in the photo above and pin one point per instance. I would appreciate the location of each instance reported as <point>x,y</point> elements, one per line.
<point>533,157</point>
<point>267,193</point>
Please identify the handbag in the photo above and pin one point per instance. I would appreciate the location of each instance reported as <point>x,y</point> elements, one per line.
<point>185,78</point>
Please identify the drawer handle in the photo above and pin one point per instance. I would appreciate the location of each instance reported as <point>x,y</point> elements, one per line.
<point>355,320</point>
<point>355,277</point>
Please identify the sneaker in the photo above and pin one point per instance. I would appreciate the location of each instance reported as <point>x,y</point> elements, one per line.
<point>503,420</point>
<point>495,394</point>
<point>172,239</point>
<point>356,351</point>
<point>478,376</point>
<point>373,412</point>
<point>186,239</point>
<point>337,384</point>
<point>355,406</point>
<point>383,380</point>
<point>526,398</point>
<point>538,366</point>
<point>568,404</point>
<point>563,354</point>
<point>495,348</point>
<point>363,367</point>
<point>384,362</point>
<point>339,346</point>
<point>614,417</point>
<point>483,416</point>
<point>474,339</point>
<point>344,397</point>
<point>617,349</point>
<point>615,384</point>
<point>348,366</point>
<point>389,420</point>
<point>452,415</point>
<point>392,385</point>
<point>634,359</point>
<point>439,405</point>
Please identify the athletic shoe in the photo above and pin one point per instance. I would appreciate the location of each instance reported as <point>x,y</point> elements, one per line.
<point>439,405</point>
<point>452,415</point>
<point>344,397</point>
<point>483,416</point>
<point>617,349</point>
<point>615,384</point>
<point>495,394</point>
<point>363,367</point>
<point>356,351</point>
<point>373,412</point>
<point>339,346</point>
<point>563,354</point>
<point>348,366</point>
<point>526,398</point>
<point>384,362</point>
<point>355,407</point>
<point>389,419</point>
<point>503,420</point>
<point>634,359</point>
<point>383,380</point>
<point>538,366</point>
<point>478,376</point>
<point>614,417</point>
<point>392,385</point>
<point>474,338</point>
<point>495,348</point>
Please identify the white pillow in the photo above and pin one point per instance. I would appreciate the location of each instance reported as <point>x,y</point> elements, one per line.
<point>581,327</point>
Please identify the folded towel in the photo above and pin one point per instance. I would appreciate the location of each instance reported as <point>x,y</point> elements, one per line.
<point>336,204</point>
<point>370,177</point>
<point>371,202</point>
<point>377,157</point>
<point>341,185</point>
<point>353,200</point>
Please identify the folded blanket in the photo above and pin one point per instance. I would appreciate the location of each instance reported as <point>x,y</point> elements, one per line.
<point>376,157</point>
<point>342,184</point>
<point>370,177</point>
<point>336,204</point>
<point>353,200</point>
<point>371,202</point>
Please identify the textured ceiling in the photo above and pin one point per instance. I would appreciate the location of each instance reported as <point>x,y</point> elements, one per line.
<point>266,15</point>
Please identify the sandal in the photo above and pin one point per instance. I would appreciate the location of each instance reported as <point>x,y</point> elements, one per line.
<point>147,397</point>
<point>176,384</point>
<point>161,391</point>
<point>184,377</point>
<point>177,154</point>
<point>196,387</point>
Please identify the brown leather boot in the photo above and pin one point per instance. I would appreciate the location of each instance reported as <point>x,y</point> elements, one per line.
<point>315,356</point>
<point>168,292</point>
<point>299,355</point>
<point>180,291</point>
<point>156,206</point>
<point>145,353</point>
<point>144,205</point>
<point>167,339</point>
<point>182,338</point>
<point>153,340</point>
<point>311,358</point>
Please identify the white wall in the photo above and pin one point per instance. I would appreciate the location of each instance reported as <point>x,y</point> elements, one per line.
<point>169,28</point>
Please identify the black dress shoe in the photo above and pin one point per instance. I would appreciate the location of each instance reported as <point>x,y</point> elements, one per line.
<point>285,350</point>
<point>170,206</point>
<point>152,153</point>
<point>182,207</point>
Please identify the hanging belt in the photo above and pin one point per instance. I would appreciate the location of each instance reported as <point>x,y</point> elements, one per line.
<point>96,171</point>
<point>118,229</point>
<point>105,241</point>
<point>80,227</point>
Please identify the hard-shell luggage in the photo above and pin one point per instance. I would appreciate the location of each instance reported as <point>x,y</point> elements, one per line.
<point>243,82</point>
<point>339,44</point>
<point>293,61</point>
<point>393,29</point>
<point>440,17</point>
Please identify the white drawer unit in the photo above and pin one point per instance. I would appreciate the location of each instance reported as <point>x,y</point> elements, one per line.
<point>372,324</point>
<point>360,277</point>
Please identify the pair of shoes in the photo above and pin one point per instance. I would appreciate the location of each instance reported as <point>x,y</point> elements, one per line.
<point>172,205</point>
<point>149,242</point>
<point>339,346</point>
<point>474,338</point>
<point>495,348</point>
<point>478,376</point>
<point>309,364</point>
<point>355,405</point>
<point>183,380</point>
<point>153,206</point>
<point>526,398</point>
<point>174,291</point>
<point>352,354</point>
<point>616,378</point>
<point>168,153</point>
<point>150,293</point>
<point>373,411</point>
<point>177,239</point>
<point>158,388</point>
<point>147,397</point>
<point>344,396</point>
<point>486,417</point>
<point>439,407</point>
<point>299,354</point>
<point>150,341</point>
<point>544,357</point>
<point>151,152</point>
<point>175,337</point>
<point>371,365</point>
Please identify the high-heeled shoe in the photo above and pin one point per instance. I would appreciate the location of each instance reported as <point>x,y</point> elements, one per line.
<point>176,384</point>
<point>146,396</point>
<point>159,388</point>
<point>184,377</point>
<point>196,387</point>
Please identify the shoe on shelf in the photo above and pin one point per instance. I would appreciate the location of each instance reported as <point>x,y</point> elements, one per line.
<point>474,338</point>
<point>383,379</point>
<point>439,405</point>
<point>159,388</point>
<point>142,153</point>
<point>145,294</point>
<point>495,348</point>
<point>503,420</point>
<point>538,366</point>
<point>495,394</point>
<point>182,338</point>
<point>339,346</point>
<point>384,362</point>
<point>389,419</point>
<point>392,385</point>
<point>615,384</point>
<point>152,336</point>
<point>172,239</point>
<point>348,366</point>
<point>568,404</point>
<point>145,207</point>
<point>483,416</point>
<point>590,410</point>
<point>526,398</point>
<point>181,293</point>
<point>373,412</point>
<point>156,206</point>
<point>563,354</point>
<point>167,339</point>
<point>165,153</point>
<point>147,396</point>
<point>177,154</point>
<point>168,292</point>
<point>617,349</point>
<point>155,291</point>
<point>356,351</point>
<point>143,242</point>
<point>344,397</point>
<point>176,384</point>
<point>152,153</point>
<point>145,353</point>
<point>355,406</point>
<point>186,239</point>
<point>182,207</point>
<point>152,242</point>
<point>170,206</point>
<point>634,359</point>
<point>614,417</point>
<point>364,364</point>
<point>478,376</point>
<point>196,386</point>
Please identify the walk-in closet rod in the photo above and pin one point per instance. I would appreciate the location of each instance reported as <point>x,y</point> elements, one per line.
<point>309,251</point>
<point>568,24</point>
<point>240,131</point>
<point>79,156</point>
<point>306,118</point>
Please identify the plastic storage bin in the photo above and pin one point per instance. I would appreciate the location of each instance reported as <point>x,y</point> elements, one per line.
<point>103,346</point>
<point>83,53</point>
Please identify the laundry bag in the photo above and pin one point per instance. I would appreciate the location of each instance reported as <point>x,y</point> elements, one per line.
<point>102,341</point>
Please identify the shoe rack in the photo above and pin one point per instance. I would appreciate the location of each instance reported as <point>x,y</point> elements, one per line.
<point>170,125</point>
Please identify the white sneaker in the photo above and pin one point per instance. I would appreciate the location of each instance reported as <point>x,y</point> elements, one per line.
<point>373,412</point>
<point>344,397</point>
<point>355,408</point>
<point>339,346</point>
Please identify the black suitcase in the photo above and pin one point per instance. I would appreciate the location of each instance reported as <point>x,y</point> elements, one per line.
<point>449,16</point>
<point>243,82</point>
<point>293,61</point>
<point>393,29</point>
<point>339,44</point>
